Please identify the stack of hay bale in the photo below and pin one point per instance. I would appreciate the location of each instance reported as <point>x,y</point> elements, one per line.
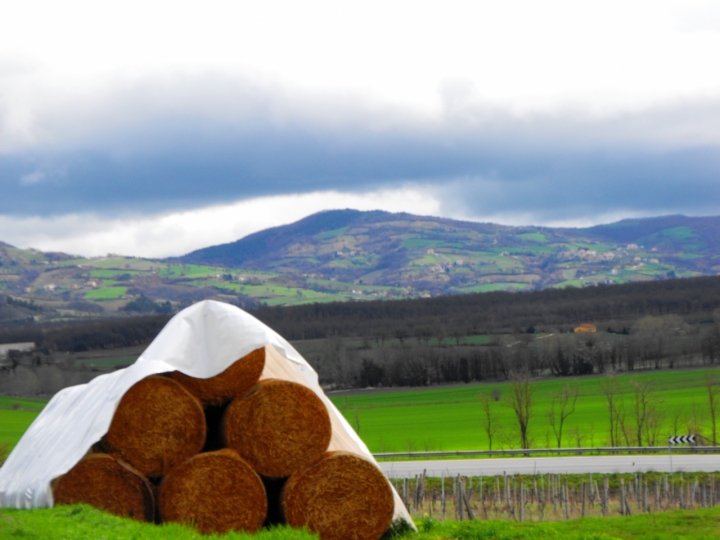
<point>229,453</point>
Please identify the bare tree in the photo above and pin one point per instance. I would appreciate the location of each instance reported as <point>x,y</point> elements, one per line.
<point>712,385</point>
<point>610,389</point>
<point>562,406</point>
<point>678,417</point>
<point>653,424</point>
<point>521,401</point>
<point>489,419</point>
<point>644,406</point>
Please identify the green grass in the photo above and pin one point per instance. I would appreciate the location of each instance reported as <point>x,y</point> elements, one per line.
<point>449,418</point>
<point>533,237</point>
<point>106,293</point>
<point>83,522</point>
<point>331,234</point>
<point>16,415</point>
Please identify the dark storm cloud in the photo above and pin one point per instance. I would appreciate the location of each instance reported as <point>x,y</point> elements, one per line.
<point>158,148</point>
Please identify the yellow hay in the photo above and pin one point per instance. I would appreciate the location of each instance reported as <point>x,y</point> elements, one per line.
<point>236,380</point>
<point>278,427</point>
<point>157,426</point>
<point>108,484</point>
<point>216,492</point>
<point>341,497</point>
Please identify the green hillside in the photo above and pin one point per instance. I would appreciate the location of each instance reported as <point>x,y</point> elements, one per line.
<point>350,255</point>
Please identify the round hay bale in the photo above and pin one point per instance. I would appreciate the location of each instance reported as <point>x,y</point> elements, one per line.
<point>278,427</point>
<point>157,426</point>
<point>341,497</point>
<point>216,492</point>
<point>236,380</point>
<point>108,484</point>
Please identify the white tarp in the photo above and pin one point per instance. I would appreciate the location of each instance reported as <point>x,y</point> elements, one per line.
<point>201,341</point>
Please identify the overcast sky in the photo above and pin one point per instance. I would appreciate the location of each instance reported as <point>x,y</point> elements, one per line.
<point>155,128</point>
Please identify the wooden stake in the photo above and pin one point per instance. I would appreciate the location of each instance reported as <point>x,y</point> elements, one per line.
<point>606,488</point>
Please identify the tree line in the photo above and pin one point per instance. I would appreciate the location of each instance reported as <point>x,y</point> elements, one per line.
<point>665,342</point>
<point>496,312</point>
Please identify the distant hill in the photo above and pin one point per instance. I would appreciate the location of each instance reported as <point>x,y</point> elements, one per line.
<point>344,255</point>
<point>448,256</point>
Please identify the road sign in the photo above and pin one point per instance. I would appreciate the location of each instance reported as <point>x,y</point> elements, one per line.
<point>681,439</point>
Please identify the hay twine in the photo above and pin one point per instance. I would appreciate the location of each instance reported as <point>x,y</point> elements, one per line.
<point>157,426</point>
<point>108,484</point>
<point>216,492</point>
<point>278,427</point>
<point>236,380</point>
<point>341,497</point>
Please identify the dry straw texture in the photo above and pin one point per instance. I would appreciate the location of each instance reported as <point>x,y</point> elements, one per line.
<point>216,492</point>
<point>341,497</point>
<point>236,380</point>
<point>278,427</point>
<point>157,426</point>
<point>105,483</point>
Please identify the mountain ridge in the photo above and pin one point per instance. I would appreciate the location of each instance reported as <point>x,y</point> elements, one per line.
<point>383,242</point>
<point>341,255</point>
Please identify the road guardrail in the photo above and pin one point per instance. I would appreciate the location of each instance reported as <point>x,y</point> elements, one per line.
<point>550,451</point>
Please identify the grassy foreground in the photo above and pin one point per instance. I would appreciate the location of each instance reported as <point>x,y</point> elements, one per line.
<point>83,522</point>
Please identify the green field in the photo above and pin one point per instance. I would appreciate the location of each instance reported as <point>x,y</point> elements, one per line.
<point>16,415</point>
<point>449,418</point>
<point>82,522</point>
<point>106,293</point>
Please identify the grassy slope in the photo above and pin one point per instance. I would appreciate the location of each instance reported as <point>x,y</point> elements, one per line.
<point>82,522</point>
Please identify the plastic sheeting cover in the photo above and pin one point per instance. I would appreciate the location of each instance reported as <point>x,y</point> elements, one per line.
<point>201,341</point>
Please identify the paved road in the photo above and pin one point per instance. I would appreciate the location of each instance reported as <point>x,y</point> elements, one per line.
<point>554,465</point>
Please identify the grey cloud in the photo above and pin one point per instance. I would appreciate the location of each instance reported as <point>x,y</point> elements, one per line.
<point>183,144</point>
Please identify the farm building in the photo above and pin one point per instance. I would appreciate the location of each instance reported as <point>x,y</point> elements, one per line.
<point>585,328</point>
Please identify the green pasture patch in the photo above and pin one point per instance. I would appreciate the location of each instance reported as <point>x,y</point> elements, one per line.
<point>124,264</point>
<point>331,234</point>
<point>112,273</point>
<point>450,418</point>
<point>190,271</point>
<point>490,287</point>
<point>13,424</point>
<point>106,293</point>
<point>420,243</point>
<point>678,233</point>
<point>533,237</point>
<point>569,283</point>
<point>477,340</point>
<point>86,523</point>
